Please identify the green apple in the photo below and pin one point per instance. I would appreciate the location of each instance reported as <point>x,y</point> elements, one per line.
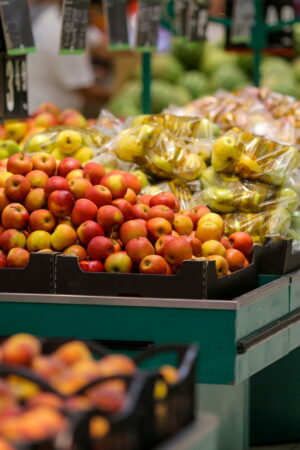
<point>142,177</point>
<point>4,153</point>
<point>10,146</point>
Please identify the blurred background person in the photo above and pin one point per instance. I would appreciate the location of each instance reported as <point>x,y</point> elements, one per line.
<point>66,80</point>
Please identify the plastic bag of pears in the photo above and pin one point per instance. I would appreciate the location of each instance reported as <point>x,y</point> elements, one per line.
<point>253,157</point>
<point>80,143</point>
<point>227,193</point>
<point>166,146</point>
<point>275,221</point>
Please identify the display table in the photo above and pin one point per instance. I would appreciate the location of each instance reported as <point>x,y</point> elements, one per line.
<point>237,338</point>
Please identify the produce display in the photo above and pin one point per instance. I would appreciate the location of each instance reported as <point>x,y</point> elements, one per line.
<point>45,395</point>
<point>102,219</point>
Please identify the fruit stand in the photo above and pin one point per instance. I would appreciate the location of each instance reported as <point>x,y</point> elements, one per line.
<point>237,338</point>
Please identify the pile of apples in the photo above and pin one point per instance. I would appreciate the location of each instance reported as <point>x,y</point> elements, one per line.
<point>28,413</point>
<point>46,116</point>
<point>101,218</point>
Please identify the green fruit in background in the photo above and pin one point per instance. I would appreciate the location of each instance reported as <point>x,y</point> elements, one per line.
<point>295,225</point>
<point>165,94</point>
<point>296,69</point>
<point>245,63</point>
<point>229,77</point>
<point>10,146</point>
<point>273,65</point>
<point>215,58</point>
<point>166,67</point>
<point>279,221</point>
<point>288,198</point>
<point>196,83</point>
<point>189,54</point>
<point>4,153</point>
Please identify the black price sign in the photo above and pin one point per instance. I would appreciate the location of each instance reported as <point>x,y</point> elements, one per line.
<point>17,38</point>
<point>243,19</point>
<point>13,91</point>
<point>116,17</point>
<point>181,11</point>
<point>148,20</point>
<point>280,10</point>
<point>74,26</point>
<point>197,19</point>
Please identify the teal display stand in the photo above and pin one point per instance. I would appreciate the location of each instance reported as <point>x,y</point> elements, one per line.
<point>217,326</point>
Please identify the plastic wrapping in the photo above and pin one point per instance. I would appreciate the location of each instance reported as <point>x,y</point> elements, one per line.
<point>267,223</point>
<point>253,157</point>
<point>228,193</point>
<point>61,141</point>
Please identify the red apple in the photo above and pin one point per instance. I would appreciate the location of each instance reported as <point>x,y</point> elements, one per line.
<point>153,264</point>
<point>162,211</point>
<point>61,203</point>
<point>145,199</point>
<point>37,178</point>
<point>140,211</point>
<point>16,188</point>
<point>3,260</point>
<point>18,257</point>
<point>195,244</point>
<point>93,172</point>
<point>161,243</point>
<point>35,199</point>
<point>164,198</point>
<point>225,242</point>
<point>116,184</point>
<point>83,210</point>
<point>66,165</point>
<point>76,250</point>
<point>12,238</point>
<point>76,173</point>
<point>4,201</point>
<point>192,215</point>
<point>79,187</point>
<point>56,183</point>
<point>138,248</point>
<point>130,196</point>
<point>88,230</point>
<point>45,120</point>
<point>109,217</point>
<point>91,266</point>
<point>19,164</point>
<point>132,181</point>
<point>241,241</point>
<point>200,211</point>
<point>15,215</point>
<point>176,251</point>
<point>132,229</point>
<point>207,231</point>
<point>236,259</point>
<point>125,207</point>
<point>157,227</point>
<point>42,219</point>
<point>99,195</point>
<point>118,262</point>
<point>100,247</point>
<point>45,162</point>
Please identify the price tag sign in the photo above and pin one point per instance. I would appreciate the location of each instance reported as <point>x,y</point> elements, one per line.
<point>17,38</point>
<point>74,26</point>
<point>148,20</point>
<point>13,91</point>
<point>281,41</point>
<point>197,18</point>
<point>116,18</point>
<point>181,12</point>
<point>243,21</point>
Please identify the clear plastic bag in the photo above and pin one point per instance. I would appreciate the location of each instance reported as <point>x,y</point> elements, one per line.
<point>253,157</point>
<point>61,141</point>
<point>276,221</point>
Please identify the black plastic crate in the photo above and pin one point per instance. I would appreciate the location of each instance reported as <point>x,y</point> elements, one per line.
<point>35,278</point>
<point>276,257</point>
<point>196,279</point>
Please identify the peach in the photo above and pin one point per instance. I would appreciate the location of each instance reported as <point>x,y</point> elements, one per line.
<point>20,349</point>
<point>72,352</point>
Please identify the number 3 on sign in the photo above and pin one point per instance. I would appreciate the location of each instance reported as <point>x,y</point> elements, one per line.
<point>10,90</point>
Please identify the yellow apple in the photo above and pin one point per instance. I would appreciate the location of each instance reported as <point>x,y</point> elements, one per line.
<point>68,141</point>
<point>38,240</point>
<point>84,154</point>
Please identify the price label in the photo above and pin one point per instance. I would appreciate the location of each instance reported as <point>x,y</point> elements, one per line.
<point>74,26</point>
<point>181,12</point>
<point>13,92</point>
<point>148,20</point>
<point>243,21</point>
<point>197,18</point>
<point>116,18</point>
<point>16,34</point>
<point>281,41</point>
